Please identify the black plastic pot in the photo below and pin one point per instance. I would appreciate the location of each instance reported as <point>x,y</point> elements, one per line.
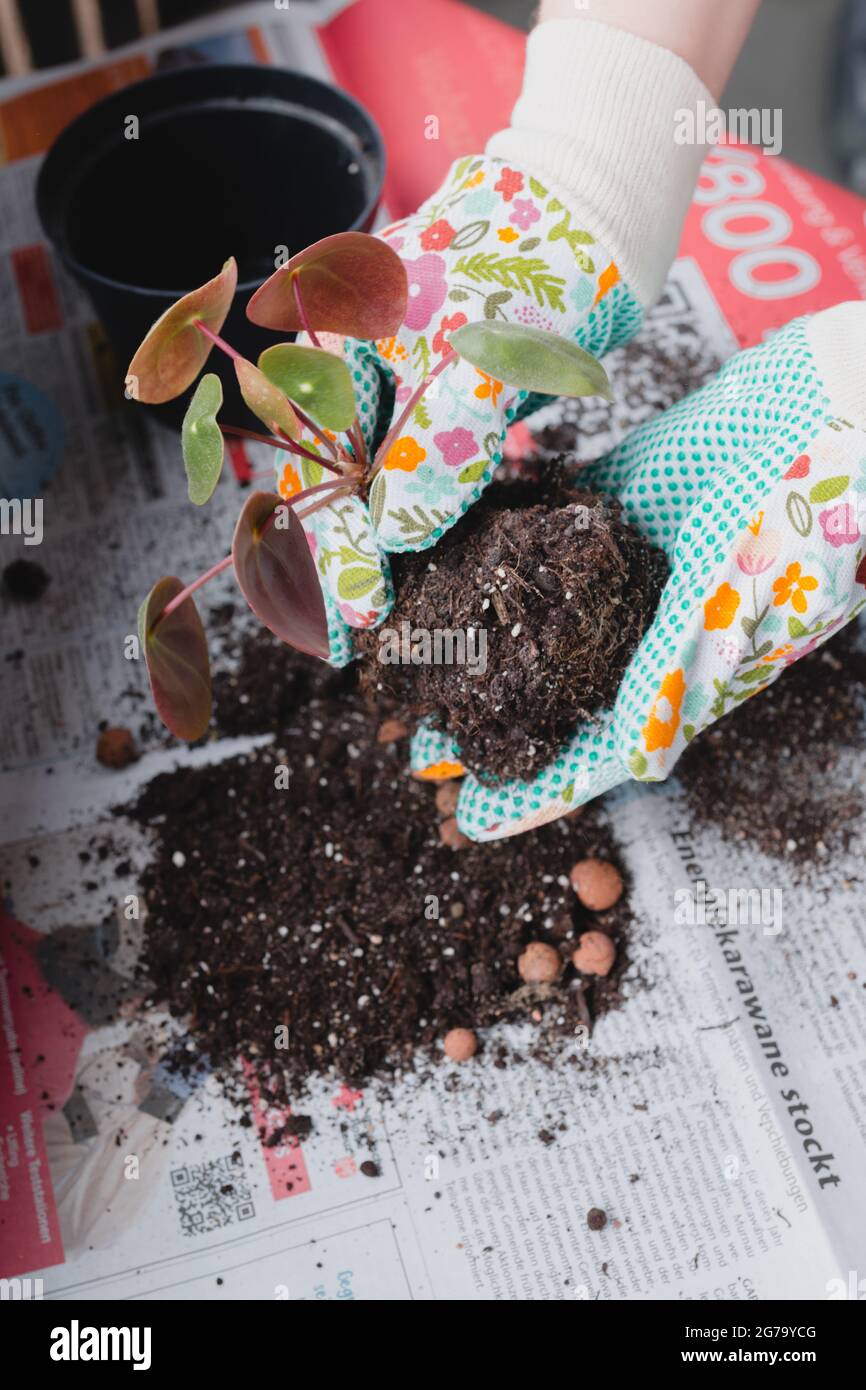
<point>226,160</point>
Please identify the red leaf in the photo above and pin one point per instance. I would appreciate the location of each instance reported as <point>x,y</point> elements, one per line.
<point>351,283</point>
<point>277,574</point>
<point>175,650</point>
<point>174,350</point>
<point>860,574</point>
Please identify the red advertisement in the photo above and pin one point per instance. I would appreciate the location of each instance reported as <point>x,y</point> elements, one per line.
<point>438,77</point>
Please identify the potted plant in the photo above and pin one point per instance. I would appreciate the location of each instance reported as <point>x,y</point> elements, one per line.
<point>582,584</point>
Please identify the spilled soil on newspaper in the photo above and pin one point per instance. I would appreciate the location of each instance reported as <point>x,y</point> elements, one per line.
<point>323,926</point>
<point>777,773</point>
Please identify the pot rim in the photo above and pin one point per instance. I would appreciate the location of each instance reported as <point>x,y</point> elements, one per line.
<point>377,154</point>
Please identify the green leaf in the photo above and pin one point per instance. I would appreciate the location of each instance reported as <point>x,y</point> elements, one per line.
<point>755,675</point>
<point>174,350</point>
<point>763,651</point>
<point>319,381</point>
<point>473,471</point>
<point>537,188</point>
<point>265,400</point>
<point>568,794</point>
<point>493,302</point>
<point>689,732</point>
<point>531,359</point>
<point>799,513</point>
<point>829,488</point>
<point>376,500</point>
<point>468,236</point>
<point>419,526</point>
<point>529,244</point>
<point>637,763</point>
<point>530,274</point>
<point>461,167</point>
<point>458,296</point>
<point>358,580</point>
<point>749,626</point>
<point>202,440</point>
<point>311,473</point>
<point>350,283</point>
<point>421,416</point>
<point>796,628</point>
<point>175,651</point>
<point>421,355</point>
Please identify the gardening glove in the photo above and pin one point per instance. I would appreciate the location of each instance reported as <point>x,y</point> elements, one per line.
<point>755,488</point>
<point>568,223</point>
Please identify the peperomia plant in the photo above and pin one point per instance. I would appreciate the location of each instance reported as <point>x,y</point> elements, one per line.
<point>353,285</point>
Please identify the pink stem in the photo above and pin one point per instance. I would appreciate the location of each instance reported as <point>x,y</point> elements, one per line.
<point>314,430</point>
<point>346,490</point>
<point>302,309</point>
<point>196,584</point>
<point>334,485</point>
<point>410,405</point>
<point>223,564</point>
<point>356,437</point>
<point>353,434</point>
<point>304,419</point>
<point>317,487</point>
<point>284,443</point>
<point>218,341</point>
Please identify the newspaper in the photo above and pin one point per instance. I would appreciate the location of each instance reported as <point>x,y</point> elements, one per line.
<point>719,1117</point>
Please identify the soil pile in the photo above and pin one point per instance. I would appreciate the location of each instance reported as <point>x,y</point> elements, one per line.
<point>329,907</point>
<point>558,595</point>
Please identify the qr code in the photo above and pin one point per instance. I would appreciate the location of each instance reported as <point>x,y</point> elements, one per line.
<point>212,1195</point>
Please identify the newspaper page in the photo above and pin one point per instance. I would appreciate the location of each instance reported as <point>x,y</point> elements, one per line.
<point>718,1116</point>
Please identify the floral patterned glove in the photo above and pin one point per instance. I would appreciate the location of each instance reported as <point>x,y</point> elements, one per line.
<point>754,487</point>
<point>568,223</point>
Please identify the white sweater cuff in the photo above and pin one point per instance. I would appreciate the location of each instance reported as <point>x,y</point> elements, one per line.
<point>837,338</point>
<point>597,118</point>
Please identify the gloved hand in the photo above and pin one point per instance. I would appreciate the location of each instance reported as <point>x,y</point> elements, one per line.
<point>754,487</point>
<point>569,223</point>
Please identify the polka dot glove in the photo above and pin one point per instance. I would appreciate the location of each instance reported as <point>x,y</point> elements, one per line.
<point>755,488</point>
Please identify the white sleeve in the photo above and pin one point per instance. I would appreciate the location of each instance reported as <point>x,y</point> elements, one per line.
<point>597,119</point>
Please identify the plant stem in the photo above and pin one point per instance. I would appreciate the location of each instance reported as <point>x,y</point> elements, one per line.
<point>218,341</point>
<point>285,443</point>
<point>304,419</point>
<point>317,487</point>
<point>356,438</point>
<point>345,490</point>
<point>329,486</point>
<point>353,434</point>
<point>196,584</point>
<point>302,309</point>
<point>410,405</point>
<point>314,430</point>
